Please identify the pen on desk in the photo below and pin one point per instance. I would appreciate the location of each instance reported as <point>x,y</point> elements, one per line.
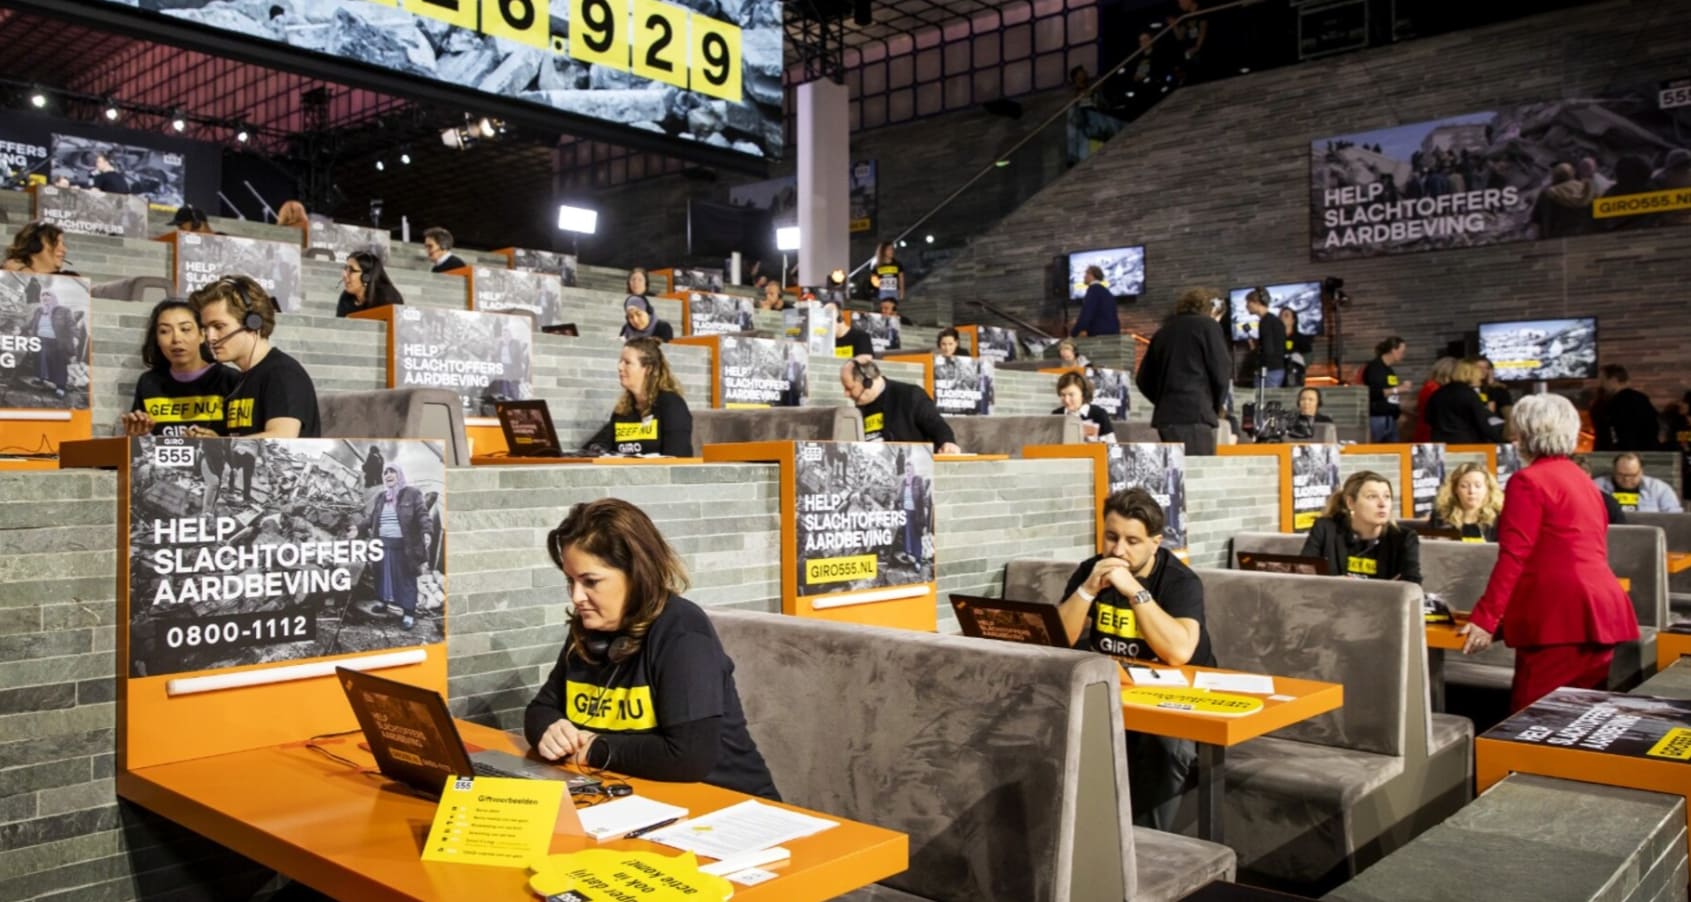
<point>636,834</point>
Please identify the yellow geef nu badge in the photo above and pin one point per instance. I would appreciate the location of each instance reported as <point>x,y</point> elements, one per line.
<point>1363,566</point>
<point>618,874</point>
<point>602,708</point>
<point>872,422</point>
<point>194,409</point>
<point>638,432</point>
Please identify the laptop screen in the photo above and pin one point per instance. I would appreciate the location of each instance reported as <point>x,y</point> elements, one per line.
<point>528,428</point>
<point>409,730</point>
<point>1263,562</point>
<point>1027,622</point>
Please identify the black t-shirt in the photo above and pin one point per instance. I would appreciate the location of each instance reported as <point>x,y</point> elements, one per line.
<point>904,413</point>
<point>1095,415</point>
<point>1112,628</point>
<point>276,387</point>
<point>174,406</point>
<point>888,274</point>
<point>855,343</point>
<point>1271,335</point>
<point>111,182</point>
<point>680,676</point>
<point>1379,376</point>
<point>668,429</point>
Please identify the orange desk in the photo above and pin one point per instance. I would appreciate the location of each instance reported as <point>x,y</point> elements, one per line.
<point>1442,637</point>
<point>1679,561</point>
<point>500,460</point>
<point>965,458</point>
<point>348,835</point>
<point>1672,643</point>
<point>1294,700</point>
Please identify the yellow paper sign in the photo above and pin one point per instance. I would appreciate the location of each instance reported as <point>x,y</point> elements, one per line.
<point>616,874</point>
<point>499,821</point>
<point>1192,699</point>
<point>1675,743</point>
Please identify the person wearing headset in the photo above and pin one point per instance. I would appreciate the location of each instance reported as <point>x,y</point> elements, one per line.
<point>274,396</point>
<point>1359,536</point>
<point>365,285</point>
<point>651,417</point>
<point>643,685</point>
<point>894,411</point>
<point>37,248</point>
<point>183,386</point>
<point>1302,427</point>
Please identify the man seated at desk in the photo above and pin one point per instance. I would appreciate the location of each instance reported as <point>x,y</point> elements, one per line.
<point>1635,491</point>
<point>894,411</point>
<point>1137,600</point>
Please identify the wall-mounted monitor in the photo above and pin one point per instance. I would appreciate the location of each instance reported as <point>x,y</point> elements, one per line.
<point>1540,350</point>
<point>1303,298</point>
<point>1124,270</point>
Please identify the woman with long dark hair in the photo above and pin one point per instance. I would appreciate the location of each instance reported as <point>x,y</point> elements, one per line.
<point>183,385</point>
<point>365,284</point>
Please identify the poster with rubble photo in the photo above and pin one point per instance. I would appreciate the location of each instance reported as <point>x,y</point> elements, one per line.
<point>812,324</point>
<point>84,212</point>
<point>341,239</point>
<point>1612,723</point>
<point>718,314</point>
<point>1508,462</point>
<point>203,259</point>
<point>861,195</point>
<point>260,551</point>
<point>483,357</point>
<point>963,385</point>
<point>1550,169</point>
<point>158,176</point>
<point>1161,470</point>
<point>560,265</point>
<point>21,159</point>
<point>44,348</point>
<point>706,280</point>
<point>1426,473</point>
<point>537,296</point>
<point>995,344</point>
<point>1315,477</point>
<point>882,330</point>
<point>1112,390</point>
<point>865,516</point>
<point>762,372</point>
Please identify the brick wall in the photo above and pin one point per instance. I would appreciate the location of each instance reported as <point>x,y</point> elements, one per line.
<point>1226,496</point>
<point>1215,182</point>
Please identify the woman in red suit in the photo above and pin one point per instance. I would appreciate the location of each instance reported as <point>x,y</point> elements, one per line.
<point>1552,593</point>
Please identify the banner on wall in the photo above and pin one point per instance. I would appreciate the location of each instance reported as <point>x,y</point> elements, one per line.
<point>341,239</point>
<point>1540,170</point>
<point>159,176</point>
<point>203,259</point>
<point>963,385</point>
<point>552,262</point>
<point>865,516</point>
<point>483,357</point>
<point>1315,477</point>
<point>861,193</point>
<point>1613,723</point>
<point>1426,472</point>
<point>811,324</point>
<point>718,314</point>
<point>84,212</point>
<point>44,348</point>
<point>707,280</point>
<point>1161,470</point>
<point>995,343</point>
<point>883,331</point>
<point>1111,390</point>
<point>762,372</point>
<point>1508,462</point>
<point>20,156</point>
<point>260,551</point>
<point>537,296</point>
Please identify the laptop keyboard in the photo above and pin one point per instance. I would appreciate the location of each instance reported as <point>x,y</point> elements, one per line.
<point>484,769</point>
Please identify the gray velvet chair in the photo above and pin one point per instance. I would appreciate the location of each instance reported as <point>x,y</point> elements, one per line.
<point>825,424</point>
<point>398,413</point>
<point>1000,761</point>
<point>1678,530</point>
<point>1007,434</point>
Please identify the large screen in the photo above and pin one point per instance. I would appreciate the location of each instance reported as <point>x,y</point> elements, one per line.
<point>1124,270</point>
<point>1303,298</point>
<point>1542,349</point>
<point>697,71</point>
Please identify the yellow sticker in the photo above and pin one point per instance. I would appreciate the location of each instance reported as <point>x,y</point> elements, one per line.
<point>1391,380</point>
<point>194,409</point>
<point>715,58</point>
<point>237,414</point>
<point>599,32</point>
<point>660,42</point>
<point>839,569</point>
<point>872,423</point>
<point>842,351</point>
<point>1364,566</point>
<point>1641,204</point>
<point>1191,699</point>
<point>604,708</point>
<point>638,432</point>
<point>1627,500</point>
<point>500,821</point>
<point>619,874</point>
<point>1114,621</point>
<point>1303,520</point>
<point>457,13</point>
<point>524,21</point>
<point>1675,743</point>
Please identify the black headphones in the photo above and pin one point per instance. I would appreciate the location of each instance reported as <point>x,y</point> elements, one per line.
<point>614,647</point>
<point>253,321</point>
<point>863,377</point>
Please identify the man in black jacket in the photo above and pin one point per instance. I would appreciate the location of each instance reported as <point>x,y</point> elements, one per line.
<point>1270,340</point>
<point>1185,374</point>
<point>437,243</point>
<point>1624,419</point>
<point>894,411</point>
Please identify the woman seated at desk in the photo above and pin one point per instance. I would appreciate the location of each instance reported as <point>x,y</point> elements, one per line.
<point>365,285</point>
<point>1358,533</point>
<point>1075,394</point>
<point>183,386</point>
<point>1302,426</point>
<point>651,417</point>
<point>39,249</point>
<point>642,320</point>
<point>643,686</point>
<point>1470,502</point>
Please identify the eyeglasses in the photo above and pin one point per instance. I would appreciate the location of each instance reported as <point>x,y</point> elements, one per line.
<point>351,269</point>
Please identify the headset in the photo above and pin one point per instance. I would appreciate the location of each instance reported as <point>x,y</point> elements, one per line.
<point>865,377</point>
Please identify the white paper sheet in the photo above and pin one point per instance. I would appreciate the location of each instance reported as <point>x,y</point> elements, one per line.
<point>1255,683</point>
<point>619,817</point>
<point>1149,676</point>
<point>746,827</point>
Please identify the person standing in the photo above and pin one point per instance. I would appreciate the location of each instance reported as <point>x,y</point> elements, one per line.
<point>887,277</point>
<point>437,244</point>
<point>1270,341</point>
<point>1440,375</point>
<point>1385,390</point>
<point>62,338</point>
<point>1624,419</point>
<point>1552,591</point>
<point>1185,374</point>
<point>1097,308</point>
<point>1455,414</point>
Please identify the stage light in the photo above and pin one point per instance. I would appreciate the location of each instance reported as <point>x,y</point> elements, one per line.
<point>242,135</point>
<point>177,121</point>
<point>903,243</point>
<point>930,239</point>
<point>380,166</point>
<point>405,156</point>
<point>787,238</point>
<point>38,98</point>
<point>579,220</point>
<point>486,126</point>
<point>111,111</point>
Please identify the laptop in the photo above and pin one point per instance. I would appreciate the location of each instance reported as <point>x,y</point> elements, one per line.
<point>562,329</point>
<point>1027,622</point>
<point>1439,533</point>
<point>528,428</point>
<point>415,742</point>
<point>1263,562</point>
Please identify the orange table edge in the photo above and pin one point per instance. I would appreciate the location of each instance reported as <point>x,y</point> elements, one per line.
<point>1670,647</point>
<point>351,836</point>
<point>965,458</point>
<point>1679,561</point>
<point>1308,699</point>
<point>500,460</point>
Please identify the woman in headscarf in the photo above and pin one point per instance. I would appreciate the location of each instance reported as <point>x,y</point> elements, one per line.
<point>643,321</point>
<point>400,518</point>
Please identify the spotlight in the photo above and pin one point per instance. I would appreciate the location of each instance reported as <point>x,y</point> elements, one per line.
<point>455,138</point>
<point>177,121</point>
<point>111,112</point>
<point>38,98</point>
<point>787,238</point>
<point>903,243</point>
<point>929,239</point>
<point>380,166</point>
<point>1003,163</point>
<point>242,135</point>
<point>405,158</point>
<point>579,220</point>
<point>486,126</point>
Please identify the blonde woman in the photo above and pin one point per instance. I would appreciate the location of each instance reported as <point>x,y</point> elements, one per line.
<point>1470,502</point>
